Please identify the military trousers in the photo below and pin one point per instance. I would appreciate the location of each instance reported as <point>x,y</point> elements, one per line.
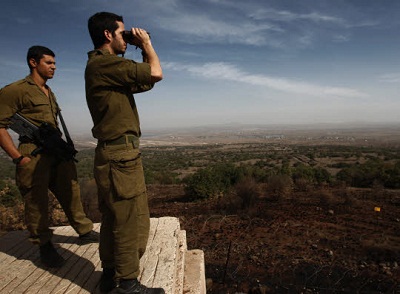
<point>124,207</point>
<point>35,179</point>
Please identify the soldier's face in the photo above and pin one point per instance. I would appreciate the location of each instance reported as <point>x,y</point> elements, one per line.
<point>46,67</point>
<point>118,44</point>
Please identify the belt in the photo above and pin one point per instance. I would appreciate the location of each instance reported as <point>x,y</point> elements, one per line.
<point>123,140</point>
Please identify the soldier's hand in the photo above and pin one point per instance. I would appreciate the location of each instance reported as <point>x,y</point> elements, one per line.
<point>141,37</point>
<point>24,160</point>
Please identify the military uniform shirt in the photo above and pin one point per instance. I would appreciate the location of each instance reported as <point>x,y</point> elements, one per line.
<point>25,97</point>
<point>110,83</point>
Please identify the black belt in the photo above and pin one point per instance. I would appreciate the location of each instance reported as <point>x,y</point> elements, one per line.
<point>123,140</point>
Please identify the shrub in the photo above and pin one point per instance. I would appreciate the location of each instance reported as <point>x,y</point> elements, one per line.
<point>365,175</point>
<point>303,184</point>
<point>326,198</point>
<point>165,178</point>
<point>315,175</point>
<point>12,218</point>
<point>256,171</point>
<point>248,191</point>
<point>211,182</point>
<point>9,194</point>
<point>231,203</point>
<point>279,186</point>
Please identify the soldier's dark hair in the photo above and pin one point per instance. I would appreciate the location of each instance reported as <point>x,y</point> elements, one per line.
<point>100,22</point>
<point>37,52</point>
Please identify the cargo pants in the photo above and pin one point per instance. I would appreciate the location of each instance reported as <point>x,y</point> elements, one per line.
<point>35,179</point>
<point>123,204</point>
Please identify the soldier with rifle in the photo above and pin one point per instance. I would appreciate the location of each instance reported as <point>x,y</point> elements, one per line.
<point>44,161</point>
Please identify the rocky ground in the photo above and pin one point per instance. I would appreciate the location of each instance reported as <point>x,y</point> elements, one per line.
<point>312,242</point>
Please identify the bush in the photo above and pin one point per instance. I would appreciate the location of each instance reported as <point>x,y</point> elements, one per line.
<point>211,182</point>
<point>365,175</point>
<point>315,175</point>
<point>256,172</point>
<point>12,218</point>
<point>9,194</point>
<point>279,186</point>
<point>160,177</point>
<point>303,185</point>
<point>326,199</point>
<point>248,191</point>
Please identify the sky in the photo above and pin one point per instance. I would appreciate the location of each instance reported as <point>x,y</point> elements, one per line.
<point>226,62</point>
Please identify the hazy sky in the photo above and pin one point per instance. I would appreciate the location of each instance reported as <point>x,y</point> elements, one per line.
<point>226,61</point>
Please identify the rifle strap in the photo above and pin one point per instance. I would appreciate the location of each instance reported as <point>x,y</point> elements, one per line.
<point>66,133</point>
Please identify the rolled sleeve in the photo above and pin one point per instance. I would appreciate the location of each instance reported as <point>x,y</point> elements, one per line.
<point>114,71</point>
<point>8,106</point>
<point>141,74</point>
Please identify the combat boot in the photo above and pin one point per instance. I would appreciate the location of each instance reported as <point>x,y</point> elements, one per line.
<point>91,237</point>
<point>134,287</point>
<point>49,255</point>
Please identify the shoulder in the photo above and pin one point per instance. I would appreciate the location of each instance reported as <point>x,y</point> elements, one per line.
<point>109,64</point>
<point>15,84</point>
<point>105,56</point>
<point>14,87</point>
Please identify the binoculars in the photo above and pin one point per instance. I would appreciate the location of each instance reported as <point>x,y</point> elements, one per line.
<point>129,37</point>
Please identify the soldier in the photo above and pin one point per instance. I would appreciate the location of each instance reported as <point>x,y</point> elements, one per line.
<point>35,175</point>
<point>111,81</point>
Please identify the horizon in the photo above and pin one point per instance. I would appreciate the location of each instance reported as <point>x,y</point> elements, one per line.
<point>242,127</point>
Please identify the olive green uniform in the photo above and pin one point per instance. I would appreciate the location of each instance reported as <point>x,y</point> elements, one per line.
<point>44,171</point>
<point>110,83</point>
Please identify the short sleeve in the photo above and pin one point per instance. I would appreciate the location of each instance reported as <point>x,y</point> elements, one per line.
<point>8,105</point>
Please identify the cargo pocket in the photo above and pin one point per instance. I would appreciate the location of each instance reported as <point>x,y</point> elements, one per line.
<point>127,176</point>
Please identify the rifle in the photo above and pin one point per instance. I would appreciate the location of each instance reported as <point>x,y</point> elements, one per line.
<point>48,139</point>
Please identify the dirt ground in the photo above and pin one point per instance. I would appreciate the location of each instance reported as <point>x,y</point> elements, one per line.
<point>323,241</point>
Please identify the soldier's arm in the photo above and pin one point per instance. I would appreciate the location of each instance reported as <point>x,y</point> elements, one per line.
<point>7,144</point>
<point>149,54</point>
